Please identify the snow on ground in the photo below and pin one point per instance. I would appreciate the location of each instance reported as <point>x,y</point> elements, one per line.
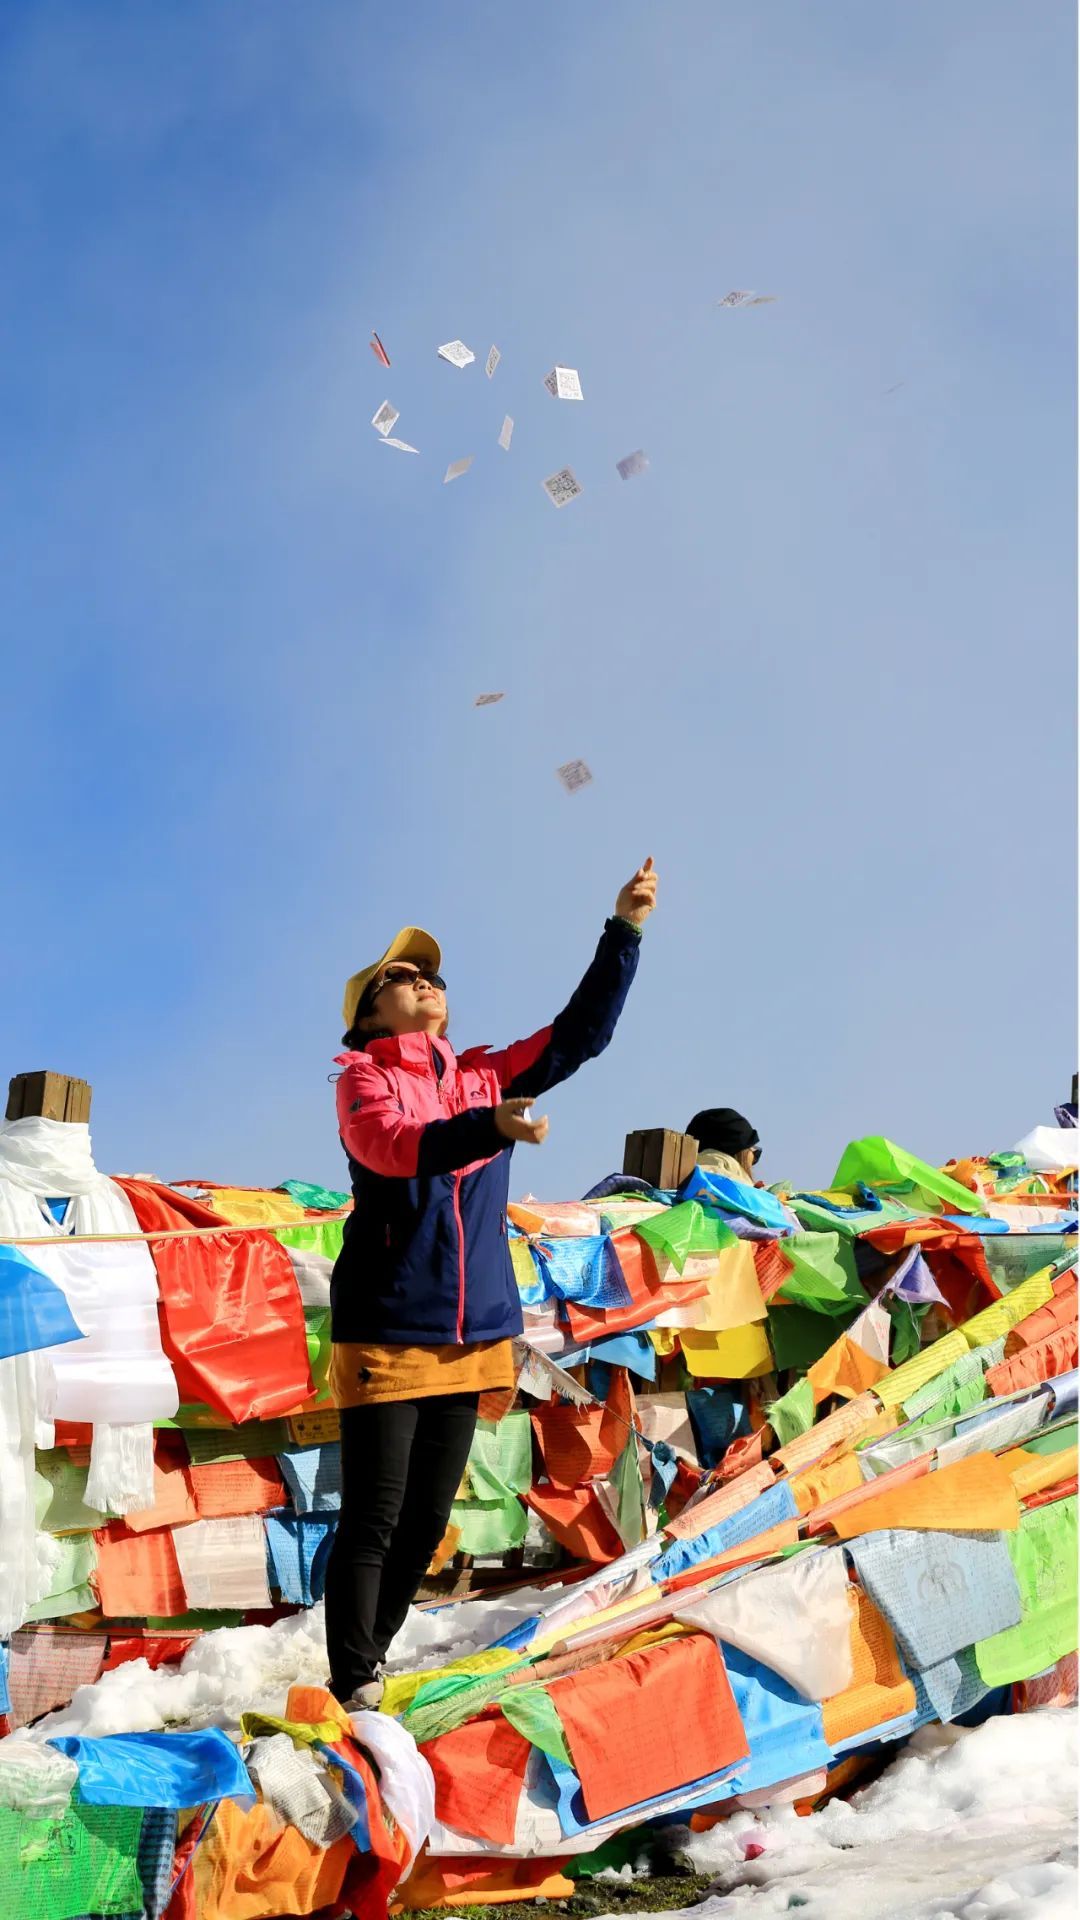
<point>966,1824</point>
<point>231,1669</point>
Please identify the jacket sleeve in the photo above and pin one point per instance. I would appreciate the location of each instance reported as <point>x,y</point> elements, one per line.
<point>583,1028</point>
<point>375,1132</point>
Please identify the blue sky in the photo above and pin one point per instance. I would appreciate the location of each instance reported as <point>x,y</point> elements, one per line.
<point>819,657</point>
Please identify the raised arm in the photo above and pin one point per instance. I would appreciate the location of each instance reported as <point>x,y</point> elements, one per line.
<point>586,1024</point>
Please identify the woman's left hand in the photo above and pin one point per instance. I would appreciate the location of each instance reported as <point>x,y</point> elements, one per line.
<point>638,898</point>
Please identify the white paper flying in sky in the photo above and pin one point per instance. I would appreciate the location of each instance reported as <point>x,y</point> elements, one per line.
<point>506,433</point>
<point>401,445</point>
<point>492,361</point>
<point>457,467</point>
<point>747,300</point>
<point>564,383</point>
<point>562,487</point>
<point>385,418</point>
<point>633,464</point>
<point>457,353</point>
<point>574,774</point>
<point>488,699</point>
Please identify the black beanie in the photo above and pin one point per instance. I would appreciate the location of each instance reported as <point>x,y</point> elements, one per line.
<point>722,1130</point>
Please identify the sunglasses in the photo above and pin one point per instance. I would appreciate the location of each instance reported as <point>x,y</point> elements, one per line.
<point>758,1151</point>
<point>406,976</point>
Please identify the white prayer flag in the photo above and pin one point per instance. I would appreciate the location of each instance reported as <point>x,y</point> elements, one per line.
<point>562,487</point>
<point>223,1562</point>
<point>634,463</point>
<point>457,353</point>
<point>506,434</point>
<point>492,361</point>
<point>563,383</point>
<point>574,774</point>
<point>386,417</point>
<point>456,468</point>
<point>487,699</point>
<point>736,299</point>
<point>401,445</point>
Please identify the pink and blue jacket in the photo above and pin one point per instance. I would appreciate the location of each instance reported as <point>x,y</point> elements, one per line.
<point>425,1259</point>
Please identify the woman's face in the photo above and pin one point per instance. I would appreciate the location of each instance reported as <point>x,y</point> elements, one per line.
<point>410,999</point>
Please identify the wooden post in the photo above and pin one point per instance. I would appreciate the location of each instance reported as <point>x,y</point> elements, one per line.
<point>663,1158</point>
<point>53,1096</point>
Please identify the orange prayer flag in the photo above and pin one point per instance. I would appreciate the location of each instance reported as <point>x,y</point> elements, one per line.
<point>1043,1360</point>
<point>846,1369</point>
<point>975,1495</point>
<point>479,1772</point>
<point>137,1573</point>
<point>251,1864</point>
<point>174,1499</point>
<point>821,1518</point>
<point>224,1489</point>
<point>820,1484</point>
<point>784,1534</point>
<point>460,1880</point>
<point>1059,1311</point>
<point>720,1505</point>
<point>576,1443</point>
<point>618,1416</point>
<point>879,1690</point>
<point>849,1422</point>
<point>628,1736</point>
<point>575,1518</point>
<point>745,1452</point>
<point>1032,1472</point>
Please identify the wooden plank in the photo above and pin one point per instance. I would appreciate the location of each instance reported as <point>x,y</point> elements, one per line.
<point>660,1156</point>
<point>53,1096</point>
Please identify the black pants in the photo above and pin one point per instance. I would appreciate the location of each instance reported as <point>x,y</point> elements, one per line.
<point>401,1465</point>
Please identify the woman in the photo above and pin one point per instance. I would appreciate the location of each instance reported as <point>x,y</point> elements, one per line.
<point>424,1303</point>
<point>727,1143</point>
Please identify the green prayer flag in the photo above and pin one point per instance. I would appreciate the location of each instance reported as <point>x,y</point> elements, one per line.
<point>678,1232</point>
<point>69,1589</point>
<point>824,1276</point>
<point>629,1490</point>
<point>1054,1440</point>
<point>534,1713</point>
<point>255,1440</point>
<point>967,1372</point>
<point>446,1703</point>
<point>59,1487</point>
<point>313,1236</point>
<point>202,1620</point>
<point>86,1862</point>
<point>816,1217</point>
<point>906,1339</point>
<point>500,1458</point>
<point>319,1347</point>
<point>492,1519</point>
<point>490,1526</point>
<point>1043,1552</point>
<point>798,1336</point>
<point>793,1413</point>
<point>878,1162</point>
<point>321,1199</point>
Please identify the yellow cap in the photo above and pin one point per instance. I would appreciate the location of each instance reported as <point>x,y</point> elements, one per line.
<point>412,943</point>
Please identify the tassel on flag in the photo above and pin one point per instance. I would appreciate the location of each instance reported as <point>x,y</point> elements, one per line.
<point>379,350</point>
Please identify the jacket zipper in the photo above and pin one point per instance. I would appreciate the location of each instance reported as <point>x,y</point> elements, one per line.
<point>461,1259</point>
<point>444,1097</point>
